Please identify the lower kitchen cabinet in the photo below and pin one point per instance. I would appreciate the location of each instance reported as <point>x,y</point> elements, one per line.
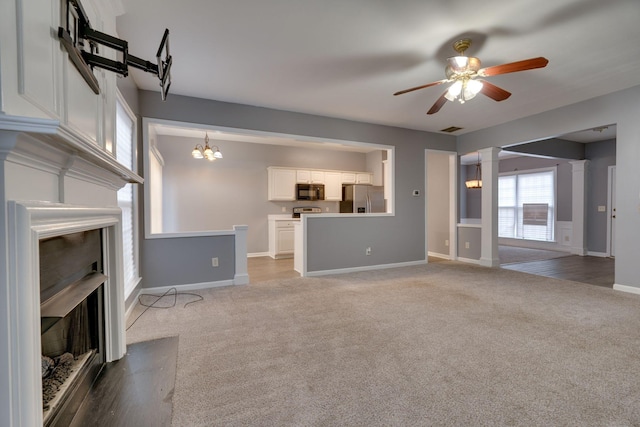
<point>281,234</point>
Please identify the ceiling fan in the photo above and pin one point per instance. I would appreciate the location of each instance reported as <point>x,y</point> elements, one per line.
<point>463,71</point>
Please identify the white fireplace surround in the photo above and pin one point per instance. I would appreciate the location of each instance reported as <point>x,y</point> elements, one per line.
<point>28,222</point>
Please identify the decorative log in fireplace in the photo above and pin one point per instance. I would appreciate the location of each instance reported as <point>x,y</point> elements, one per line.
<point>72,325</point>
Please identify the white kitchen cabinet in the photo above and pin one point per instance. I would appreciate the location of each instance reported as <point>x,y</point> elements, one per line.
<point>281,238</point>
<point>348,177</point>
<point>333,186</point>
<point>363,178</point>
<point>304,176</point>
<point>282,184</point>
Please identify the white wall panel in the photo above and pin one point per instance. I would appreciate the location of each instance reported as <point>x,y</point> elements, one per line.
<point>36,71</point>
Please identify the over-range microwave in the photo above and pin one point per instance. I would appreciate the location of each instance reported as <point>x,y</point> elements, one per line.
<point>309,191</point>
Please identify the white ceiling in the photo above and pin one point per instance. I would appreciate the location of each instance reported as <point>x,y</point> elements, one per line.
<point>345,58</point>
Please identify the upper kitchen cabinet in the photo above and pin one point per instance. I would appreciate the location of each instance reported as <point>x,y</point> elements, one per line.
<point>282,184</point>
<point>310,176</point>
<point>333,186</point>
<point>39,84</point>
<point>363,178</point>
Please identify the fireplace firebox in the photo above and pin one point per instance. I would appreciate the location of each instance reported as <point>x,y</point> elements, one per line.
<point>72,321</point>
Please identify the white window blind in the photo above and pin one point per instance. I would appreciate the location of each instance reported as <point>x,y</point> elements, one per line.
<point>526,205</point>
<point>125,150</point>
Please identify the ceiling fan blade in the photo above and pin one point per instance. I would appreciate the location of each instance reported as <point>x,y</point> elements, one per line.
<point>512,67</point>
<point>438,104</point>
<point>420,87</point>
<point>494,92</point>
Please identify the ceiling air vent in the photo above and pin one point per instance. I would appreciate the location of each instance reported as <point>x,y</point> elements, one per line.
<point>451,129</point>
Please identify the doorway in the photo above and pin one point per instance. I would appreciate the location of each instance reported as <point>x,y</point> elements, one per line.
<point>441,204</point>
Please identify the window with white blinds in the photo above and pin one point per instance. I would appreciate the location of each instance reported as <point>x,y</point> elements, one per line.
<point>526,205</point>
<point>125,154</point>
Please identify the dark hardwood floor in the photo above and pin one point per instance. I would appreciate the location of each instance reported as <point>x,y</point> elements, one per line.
<point>136,390</point>
<point>584,269</point>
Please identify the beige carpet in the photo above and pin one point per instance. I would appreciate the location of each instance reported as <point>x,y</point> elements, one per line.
<point>436,345</point>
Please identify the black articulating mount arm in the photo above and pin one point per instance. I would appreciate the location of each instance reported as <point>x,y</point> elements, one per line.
<point>79,33</point>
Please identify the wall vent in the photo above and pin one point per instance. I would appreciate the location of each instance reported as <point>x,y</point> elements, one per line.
<point>451,129</point>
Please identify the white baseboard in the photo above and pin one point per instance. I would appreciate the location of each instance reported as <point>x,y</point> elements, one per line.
<point>439,255</point>
<point>257,254</point>
<point>534,244</point>
<point>129,310</point>
<point>598,254</point>
<point>364,268</point>
<point>241,279</point>
<point>187,287</point>
<point>625,288</point>
<point>469,260</point>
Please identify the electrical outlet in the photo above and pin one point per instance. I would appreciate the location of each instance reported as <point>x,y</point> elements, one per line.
<point>466,245</point>
<point>368,251</point>
<point>446,242</point>
<point>602,208</point>
<point>326,209</point>
<point>284,209</point>
<point>214,262</point>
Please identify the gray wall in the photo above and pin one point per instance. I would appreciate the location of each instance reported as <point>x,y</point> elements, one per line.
<point>165,263</point>
<point>621,108</point>
<point>402,235</point>
<point>601,155</point>
<point>471,235</point>
<point>199,195</point>
<point>438,200</point>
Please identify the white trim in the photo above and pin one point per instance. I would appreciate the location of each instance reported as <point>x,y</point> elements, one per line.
<point>469,260</point>
<point>257,254</point>
<point>364,268</point>
<point>533,244</point>
<point>191,234</point>
<point>611,173</point>
<point>187,287</point>
<point>598,254</point>
<point>626,288</point>
<point>454,175</point>
<point>29,222</point>
<point>438,255</point>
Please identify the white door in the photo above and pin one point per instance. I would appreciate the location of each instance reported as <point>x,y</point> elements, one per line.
<point>611,231</point>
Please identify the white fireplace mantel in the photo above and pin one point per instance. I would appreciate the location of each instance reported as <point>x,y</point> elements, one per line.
<point>28,222</point>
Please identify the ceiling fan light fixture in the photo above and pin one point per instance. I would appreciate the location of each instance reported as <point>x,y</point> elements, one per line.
<point>458,63</point>
<point>471,88</point>
<point>454,91</point>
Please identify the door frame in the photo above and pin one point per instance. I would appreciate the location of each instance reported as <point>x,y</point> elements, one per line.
<point>611,210</point>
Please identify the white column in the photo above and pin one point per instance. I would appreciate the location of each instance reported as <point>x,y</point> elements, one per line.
<point>578,211</point>
<point>242,275</point>
<point>489,256</point>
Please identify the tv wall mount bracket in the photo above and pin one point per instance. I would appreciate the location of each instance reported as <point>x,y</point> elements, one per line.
<point>82,43</point>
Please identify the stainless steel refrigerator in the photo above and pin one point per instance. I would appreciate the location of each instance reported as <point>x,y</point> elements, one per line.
<point>362,199</point>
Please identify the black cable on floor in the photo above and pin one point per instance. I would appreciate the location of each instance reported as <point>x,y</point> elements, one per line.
<point>170,292</point>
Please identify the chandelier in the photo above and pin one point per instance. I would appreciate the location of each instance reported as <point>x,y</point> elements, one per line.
<point>206,152</point>
<point>477,181</point>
